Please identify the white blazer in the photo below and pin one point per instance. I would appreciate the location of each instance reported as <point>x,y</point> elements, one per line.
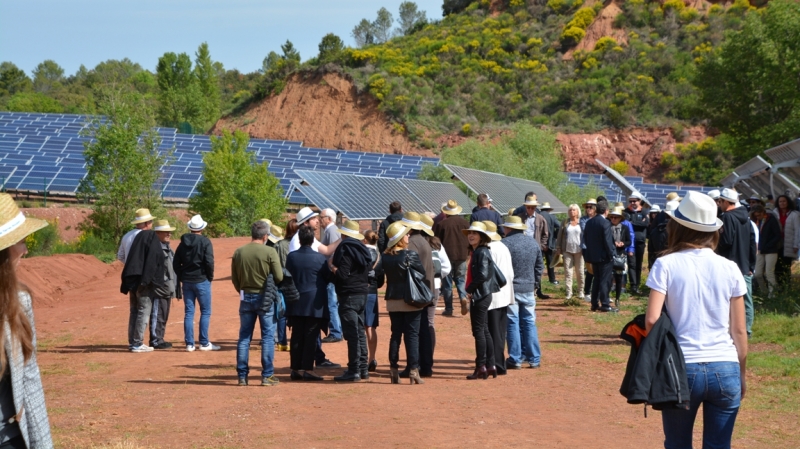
<point>502,258</point>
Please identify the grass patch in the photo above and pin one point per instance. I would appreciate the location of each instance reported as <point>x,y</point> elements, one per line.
<point>604,357</point>
<point>776,366</point>
<point>98,367</point>
<point>45,344</point>
<point>57,371</point>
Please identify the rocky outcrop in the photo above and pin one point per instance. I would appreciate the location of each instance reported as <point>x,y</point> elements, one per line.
<point>640,148</point>
<point>602,26</point>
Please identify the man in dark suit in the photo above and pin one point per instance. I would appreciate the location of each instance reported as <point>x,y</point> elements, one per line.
<point>599,252</point>
<point>395,214</point>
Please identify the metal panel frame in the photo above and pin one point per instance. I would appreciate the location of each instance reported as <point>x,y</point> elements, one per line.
<point>626,187</point>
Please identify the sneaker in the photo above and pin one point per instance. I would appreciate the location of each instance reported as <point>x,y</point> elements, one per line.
<point>587,298</point>
<point>242,381</point>
<point>328,364</point>
<point>269,381</point>
<point>163,345</point>
<point>209,347</point>
<point>189,348</point>
<point>447,313</point>
<point>331,339</point>
<point>348,376</point>
<point>142,348</point>
<point>534,366</point>
<point>511,365</point>
<point>282,348</point>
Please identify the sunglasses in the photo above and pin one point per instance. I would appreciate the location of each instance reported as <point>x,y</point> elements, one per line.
<point>633,201</point>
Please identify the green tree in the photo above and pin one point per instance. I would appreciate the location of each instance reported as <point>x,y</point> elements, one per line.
<point>270,62</point>
<point>363,34</point>
<point>208,83</point>
<point>122,162</point>
<point>454,6</point>
<point>330,48</point>
<point>236,190</point>
<point>410,18</point>
<point>33,102</point>
<point>47,76</point>
<point>290,53</point>
<point>112,71</point>
<point>13,80</point>
<point>179,96</point>
<point>382,26</point>
<point>749,85</point>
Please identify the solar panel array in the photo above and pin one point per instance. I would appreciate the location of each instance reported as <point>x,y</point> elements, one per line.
<point>656,193</point>
<point>45,152</point>
<point>760,178</point>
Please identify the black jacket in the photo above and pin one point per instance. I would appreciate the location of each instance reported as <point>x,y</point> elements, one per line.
<point>625,238</point>
<point>352,262</point>
<point>553,226</point>
<point>657,242</point>
<point>375,274</point>
<point>599,240</point>
<point>656,371</point>
<point>304,265</point>
<point>394,268</point>
<point>770,240</point>
<point>194,259</point>
<point>482,281</point>
<point>485,214</point>
<point>144,265</point>
<point>640,221</point>
<point>737,241</point>
<point>382,240</point>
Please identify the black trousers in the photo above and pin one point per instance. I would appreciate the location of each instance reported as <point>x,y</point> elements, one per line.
<point>479,319</point>
<point>303,346</point>
<point>783,270</point>
<point>587,284</point>
<point>405,326</point>
<point>427,339</point>
<point>351,313</point>
<point>602,283</point>
<point>158,320</point>
<point>498,328</point>
<point>548,261</point>
<point>635,265</point>
<point>619,284</point>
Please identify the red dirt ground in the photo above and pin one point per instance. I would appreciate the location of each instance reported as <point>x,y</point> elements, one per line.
<point>99,393</point>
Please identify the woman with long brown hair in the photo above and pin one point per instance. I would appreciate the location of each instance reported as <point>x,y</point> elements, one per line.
<point>23,414</point>
<point>701,293</point>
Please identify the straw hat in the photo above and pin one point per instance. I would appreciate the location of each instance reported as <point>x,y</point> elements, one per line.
<point>714,194</point>
<point>14,226</point>
<point>163,226</point>
<point>616,212</point>
<point>514,222</point>
<point>619,204</point>
<point>511,211</point>
<point>395,232</point>
<point>451,208</point>
<point>546,206</point>
<point>697,211</point>
<point>275,234</point>
<point>673,196</point>
<point>655,208</point>
<point>267,221</point>
<point>476,226</point>
<point>411,219</point>
<point>350,229</point>
<point>531,201</point>
<point>427,224</point>
<point>729,195</point>
<point>491,230</point>
<point>197,223</point>
<point>142,216</point>
<point>590,202</point>
<point>304,215</point>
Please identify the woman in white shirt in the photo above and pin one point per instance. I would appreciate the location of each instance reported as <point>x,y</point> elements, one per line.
<point>498,309</point>
<point>569,246</point>
<point>702,294</point>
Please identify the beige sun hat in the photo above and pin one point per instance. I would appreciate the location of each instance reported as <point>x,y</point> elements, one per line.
<point>350,228</point>
<point>491,230</point>
<point>697,211</point>
<point>275,234</point>
<point>673,196</point>
<point>514,222</point>
<point>162,226</point>
<point>412,220</point>
<point>196,223</point>
<point>545,206</point>
<point>451,208</point>
<point>531,201</point>
<point>477,226</point>
<point>14,225</point>
<point>427,224</point>
<point>590,202</point>
<point>617,211</point>
<point>395,232</point>
<point>142,216</point>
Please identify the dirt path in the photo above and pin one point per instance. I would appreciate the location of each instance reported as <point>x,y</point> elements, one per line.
<point>97,392</point>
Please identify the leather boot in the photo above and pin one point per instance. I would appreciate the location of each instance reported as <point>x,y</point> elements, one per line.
<point>395,375</point>
<point>413,376</point>
<point>480,373</point>
<point>491,372</point>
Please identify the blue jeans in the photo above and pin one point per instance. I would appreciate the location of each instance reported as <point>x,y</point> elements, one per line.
<point>335,327</point>
<point>202,293</point>
<point>749,311</point>
<point>457,275</point>
<point>718,387</point>
<point>522,336</point>
<point>249,311</point>
<point>281,337</point>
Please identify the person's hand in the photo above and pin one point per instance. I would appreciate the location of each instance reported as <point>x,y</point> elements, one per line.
<point>744,386</point>
<point>630,254</point>
<point>469,296</point>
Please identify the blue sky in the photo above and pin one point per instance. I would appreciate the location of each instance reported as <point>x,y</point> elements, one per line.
<point>240,33</point>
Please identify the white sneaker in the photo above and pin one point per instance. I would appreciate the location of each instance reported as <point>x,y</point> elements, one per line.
<point>189,348</point>
<point>588,298</point>
<point>209,347</point>
<point>142,348</point>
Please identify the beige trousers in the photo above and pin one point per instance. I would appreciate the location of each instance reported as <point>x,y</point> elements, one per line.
<point>573,260</point>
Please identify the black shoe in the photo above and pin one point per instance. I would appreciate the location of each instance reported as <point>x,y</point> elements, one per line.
<point>426,373</point>
<point>295,375</point>
<point>311,377</point>
<point>511,365</point>
<point>364,375</point>
<point>331,339</point>
<point>541,295</point>
<point>348,376</point>
<point>554,282</point>
<point>404,373</point>
<point>163,345</point>
<point>595,308</point>
<point>328,364</point>
<point>373,365</point>
<point>242,381</point>
<point>447,313</point>
<point>608,309</point>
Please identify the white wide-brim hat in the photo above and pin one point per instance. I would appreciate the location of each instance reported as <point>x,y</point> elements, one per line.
<point>196,223</point>
<point>697,211</point>
<point>714,194</point>
<point>729,195</point>
<point>14,225</point>
<point>304,214</point>
<point>655,208</point>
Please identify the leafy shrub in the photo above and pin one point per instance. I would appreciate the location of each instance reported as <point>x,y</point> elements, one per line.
<point>621,167</point>
<point>44,241</point>
<point>706,162</point>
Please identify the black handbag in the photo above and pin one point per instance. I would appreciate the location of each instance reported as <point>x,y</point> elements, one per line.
<point>619,261</point>
<point>498,275</point>
<point>417,293</point>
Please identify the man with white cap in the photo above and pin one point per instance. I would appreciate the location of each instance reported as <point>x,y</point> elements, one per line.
<point>638,216</point>
<point>162,295</point>
<point>737,242</point>
<point>141,222</point>
<point>194,268</point>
